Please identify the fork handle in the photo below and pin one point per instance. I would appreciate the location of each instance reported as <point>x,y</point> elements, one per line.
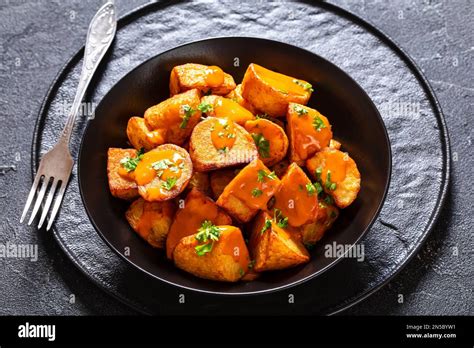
<point>99,37</point>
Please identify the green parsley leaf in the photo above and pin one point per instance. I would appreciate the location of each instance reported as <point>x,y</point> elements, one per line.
<point>318,187</point>
<point>130,164</point>
<point>188,112</point>
<point>266,226</point>
<point>280,220</point>
<point>241,272</point>
<point>251,264</point>
<point>169,183</point>
<point>318,123</point>
<point>328,200</point>
<point>205,108</point>
<point>300,110</point>
<point>318,173</point>
<point>261,175</point>
<point>311,189</point>
<point>330,185</point>
<point>263,145</point>
<point>208,233</point>
<point>256,192</point>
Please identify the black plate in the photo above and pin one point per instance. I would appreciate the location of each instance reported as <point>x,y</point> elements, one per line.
<point>355,120</point>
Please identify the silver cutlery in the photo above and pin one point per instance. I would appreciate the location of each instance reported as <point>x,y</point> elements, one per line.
<point>56,165</point>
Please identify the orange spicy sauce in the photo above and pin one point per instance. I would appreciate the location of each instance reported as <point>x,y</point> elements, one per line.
<point>293,198</point>
<point>283,83</point>
<point>224,107</point>
<point>223,134</point>
<point>335,162</point>
<point>254,192</point>
<point>213,76</point>
<point>308,137</point>
<point>162,163</point>
<point>232,243</point>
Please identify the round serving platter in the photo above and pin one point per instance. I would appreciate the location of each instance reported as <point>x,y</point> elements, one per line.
<point>417,131</point>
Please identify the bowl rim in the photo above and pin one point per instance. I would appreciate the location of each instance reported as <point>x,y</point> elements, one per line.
<point>272,289</point>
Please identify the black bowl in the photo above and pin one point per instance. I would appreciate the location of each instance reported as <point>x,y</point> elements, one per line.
<point>355,120</point>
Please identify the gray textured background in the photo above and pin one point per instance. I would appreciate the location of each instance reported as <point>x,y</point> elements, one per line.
<point>37,37</point>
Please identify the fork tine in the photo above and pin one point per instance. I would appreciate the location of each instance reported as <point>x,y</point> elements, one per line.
<point>31,195</point>
<point>57,204</point>
<point>39,199</point>
<point>49,200</point>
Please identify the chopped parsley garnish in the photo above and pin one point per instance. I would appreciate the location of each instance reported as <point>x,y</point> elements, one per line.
<point>188,112</point>
<point>257,192</point>
<point>330,185</point>
<point>300,110</point>
<point>318,173</point>
<point>263,145</point>
<point>169,183</point>
<point>333,214</point>
<point>318,187</point>
<point>318,123</point>
<point>280,220</point>
<point>231,135</point>
<point>241,272</point>
<point>208,233</point>
<point>311,188</point>
<point>130,164</point>
<point>261,116</point>
<point>261,175</point>
<point>307,86</point>
<point>251,264</point>
<point>266,226</point>
<point>205,108</point>
<point>223,150</point>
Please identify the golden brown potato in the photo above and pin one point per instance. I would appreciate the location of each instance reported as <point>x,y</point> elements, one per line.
<point>297,197</point>
<point>221,107</point>
<point>270,139</point>
<point>202,77</point>
<point>334,144</point>
<point>226,259</point>
<point>236,95</point>
<point>338,175</point>
<point>314,231</point>
<point>163,173</point>
<point>121,183</point>
<point>274,248</point>
<point>219,143</point>
<point>175,117</point>
<point>199,181</point>
<point>220,179</point>
<point>249,191</point>
<point>151,220</point>
<point>270,92</point>
<point>141,137</point>
<point>308,130</point>
<point>196,209</point>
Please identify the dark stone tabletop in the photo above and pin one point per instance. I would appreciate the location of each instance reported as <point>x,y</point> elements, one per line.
<point>37,37</point>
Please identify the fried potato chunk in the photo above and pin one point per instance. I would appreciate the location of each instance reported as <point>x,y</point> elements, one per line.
<point>337,173</point>
<point>225,259</point>
<point>202,77</point>
<point>308,130</point>
<point>314,231</point>
<point>175,117</point>
<point>297,197</point>
<point>221,107</point>
<point>270,138</point>
<point>140,136</point>
<point>236,95</point>
<point>151,220</point>
<point>219,143</point>
<point>163,173</point>
<point>274,248</point>
<point>249,191</point>
<point>121,184</point>
<point>270,92</point>
<point>196,209</point>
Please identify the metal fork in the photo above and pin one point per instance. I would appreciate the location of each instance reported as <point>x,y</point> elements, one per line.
<point>56,165</point>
